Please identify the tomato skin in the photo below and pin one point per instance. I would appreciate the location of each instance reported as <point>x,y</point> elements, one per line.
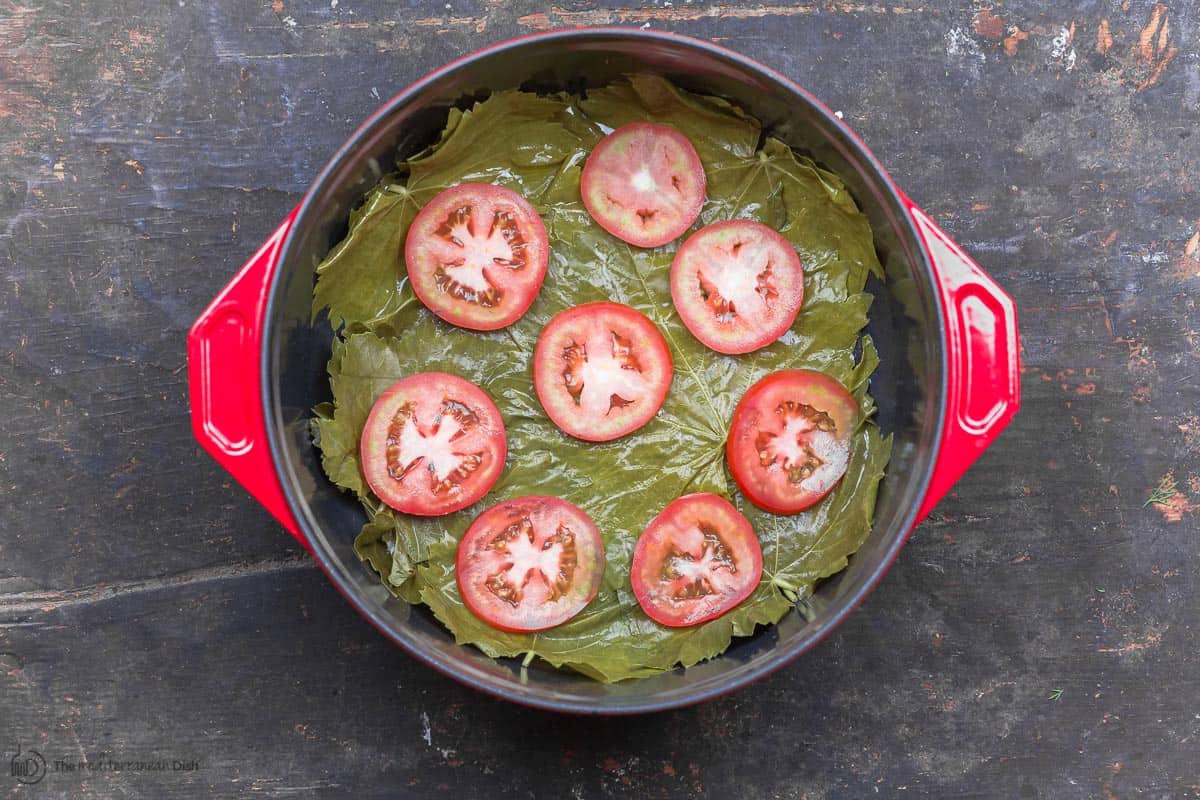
<point>408,456</point>
<point>705,533</point>
<point>476,255</point>
<point>604,331</point>
<point>761,425</point>
<point>644,183</point>
<point>526,528</point>
<point>756,267</point>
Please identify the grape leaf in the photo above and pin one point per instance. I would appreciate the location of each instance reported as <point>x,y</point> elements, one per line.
<point>386,334</point>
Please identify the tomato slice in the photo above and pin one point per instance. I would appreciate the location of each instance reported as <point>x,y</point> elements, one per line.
<point>644,184</point>
<point>476,255</point>
<point>601,370</point>
<point>737,285</point>
<point>529,564</point>
<point>789,442</point>
<point>695,561</point>
<point>433,443</point>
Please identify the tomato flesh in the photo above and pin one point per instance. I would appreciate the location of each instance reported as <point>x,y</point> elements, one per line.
<point>601,370</point>
<point>529,564</point>
<point>433,443</point>
<point>644,184</point>
<point>695,561</point>
<point>789,441</point>
<point>476,255</point>
<point>737,285</point>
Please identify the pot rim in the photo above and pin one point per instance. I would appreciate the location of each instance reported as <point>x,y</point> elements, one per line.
<point>462,670</point>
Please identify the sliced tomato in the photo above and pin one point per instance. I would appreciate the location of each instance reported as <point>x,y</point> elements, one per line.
<point>696,560</point>
<point>737,285</point>
<point>601,370</point>
<point>476,255</point>
<point>529,564</point>
<point>789,442</point>
<point>644,184</point>
<point>433,443</point>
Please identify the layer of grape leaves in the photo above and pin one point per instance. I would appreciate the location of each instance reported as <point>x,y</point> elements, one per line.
<point>536,145</point>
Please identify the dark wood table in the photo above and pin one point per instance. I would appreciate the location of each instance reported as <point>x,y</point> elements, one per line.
<point>162,637</point>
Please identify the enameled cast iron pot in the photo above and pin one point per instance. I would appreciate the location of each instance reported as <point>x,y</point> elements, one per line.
<point>946,386</point>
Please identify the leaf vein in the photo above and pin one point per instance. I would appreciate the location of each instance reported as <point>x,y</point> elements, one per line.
<point>691,371</point>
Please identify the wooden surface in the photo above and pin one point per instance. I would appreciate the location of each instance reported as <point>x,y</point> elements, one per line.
<point>1038,637</point>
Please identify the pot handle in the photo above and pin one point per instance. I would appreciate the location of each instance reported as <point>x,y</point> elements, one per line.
<point>224,380</point>
<point>983,383</point>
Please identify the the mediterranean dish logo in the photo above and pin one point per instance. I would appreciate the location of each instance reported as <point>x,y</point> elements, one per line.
<point>28,766</point>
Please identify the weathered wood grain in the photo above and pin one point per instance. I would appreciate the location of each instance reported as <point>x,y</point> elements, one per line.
<point>149,610</point>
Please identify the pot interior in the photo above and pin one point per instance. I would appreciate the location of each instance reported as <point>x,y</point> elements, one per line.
<point>905,324</point>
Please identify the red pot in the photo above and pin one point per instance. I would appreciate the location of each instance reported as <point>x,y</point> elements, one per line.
<point>947,384</point>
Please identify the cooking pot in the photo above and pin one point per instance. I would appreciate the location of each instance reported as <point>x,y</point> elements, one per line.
<point>946,385</point>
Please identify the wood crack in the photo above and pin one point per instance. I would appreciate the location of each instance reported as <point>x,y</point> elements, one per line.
<point>633,16</point>
<point>19,604</point>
